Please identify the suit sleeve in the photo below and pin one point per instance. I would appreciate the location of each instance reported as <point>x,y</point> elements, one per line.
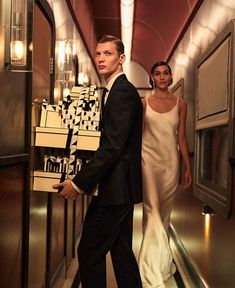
<point>120,115</point>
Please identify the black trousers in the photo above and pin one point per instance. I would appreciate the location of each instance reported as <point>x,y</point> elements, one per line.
<point>107,229</point>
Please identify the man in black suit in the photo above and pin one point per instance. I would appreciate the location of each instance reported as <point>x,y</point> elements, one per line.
<point>116,169</point>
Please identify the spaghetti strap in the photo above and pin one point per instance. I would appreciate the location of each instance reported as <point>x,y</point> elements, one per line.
<point>146,99</point>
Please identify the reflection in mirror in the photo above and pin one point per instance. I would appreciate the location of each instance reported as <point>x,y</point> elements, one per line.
<point>214,157</point>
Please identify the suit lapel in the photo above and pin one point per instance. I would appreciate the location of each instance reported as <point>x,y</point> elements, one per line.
<point>115,84</point>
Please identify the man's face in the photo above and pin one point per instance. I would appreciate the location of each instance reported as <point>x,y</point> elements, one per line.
<point>107,60</point>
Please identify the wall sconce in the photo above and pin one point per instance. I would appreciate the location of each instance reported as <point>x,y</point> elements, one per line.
<point>16,33</point>
<point>67,64</point>
<point>65,52</point>
<point>61,55</point>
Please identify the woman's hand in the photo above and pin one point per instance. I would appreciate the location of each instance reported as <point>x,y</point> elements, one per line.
<point>187,179</point>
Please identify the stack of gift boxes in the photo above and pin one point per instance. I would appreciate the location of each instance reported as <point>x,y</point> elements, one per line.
<point>60,164</point>
<point>79,109</point>
<point>73,124</point>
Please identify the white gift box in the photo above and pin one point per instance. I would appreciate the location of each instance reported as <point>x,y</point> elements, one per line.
<point>89,125</point>
<point>94,125</point>
<point>92,97</point>
<point>51,137</point>
<point>43,115</point>
<point>84,125</point>
<point>75,92</point>
<point>79,103</point>
<point>76,89</point>
<point>43,181</point>
<point>90,115</point>
<point>88,140</point>
<point>57,138</point>
<point>50,116</point>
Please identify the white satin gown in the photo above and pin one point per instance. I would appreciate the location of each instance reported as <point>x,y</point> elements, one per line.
<point>160,167</point>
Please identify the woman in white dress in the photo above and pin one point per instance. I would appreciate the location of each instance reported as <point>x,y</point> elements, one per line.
<point>163,139</point>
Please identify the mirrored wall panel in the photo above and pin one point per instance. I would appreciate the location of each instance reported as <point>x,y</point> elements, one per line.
<point>214,110</point>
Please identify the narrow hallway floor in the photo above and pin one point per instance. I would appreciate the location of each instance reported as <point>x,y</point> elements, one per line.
<point>171,283</point>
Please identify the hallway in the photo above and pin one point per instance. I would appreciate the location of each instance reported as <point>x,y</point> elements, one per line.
<point>174,281</point>
<point>47,59</point>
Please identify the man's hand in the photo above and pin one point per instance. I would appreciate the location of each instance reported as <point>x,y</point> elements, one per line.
<point>67,190</point>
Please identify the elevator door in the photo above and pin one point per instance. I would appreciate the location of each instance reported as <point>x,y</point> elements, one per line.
<point>40,202</point>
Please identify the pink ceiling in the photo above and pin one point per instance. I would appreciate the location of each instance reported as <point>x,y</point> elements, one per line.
<point>106,16</point>
<point>158,25</point>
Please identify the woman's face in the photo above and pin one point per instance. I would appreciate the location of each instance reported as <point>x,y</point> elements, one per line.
<point>162,77</point>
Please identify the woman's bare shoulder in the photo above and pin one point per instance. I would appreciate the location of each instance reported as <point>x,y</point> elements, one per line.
<point>182,105</point>
<point>182,102</point>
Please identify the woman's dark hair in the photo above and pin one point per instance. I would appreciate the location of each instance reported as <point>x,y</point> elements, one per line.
<point>159,63</point>
<point>110,38</point>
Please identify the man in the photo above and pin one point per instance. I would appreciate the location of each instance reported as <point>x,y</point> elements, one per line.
<point>116,168</point>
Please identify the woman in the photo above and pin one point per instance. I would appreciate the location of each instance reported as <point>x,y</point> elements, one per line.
<point>163,137</point>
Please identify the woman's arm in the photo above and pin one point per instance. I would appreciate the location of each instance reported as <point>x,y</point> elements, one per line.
<point>183,145</point>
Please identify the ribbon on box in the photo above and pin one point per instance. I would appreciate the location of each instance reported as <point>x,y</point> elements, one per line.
<point>66,102</point>
<point>88,104</point>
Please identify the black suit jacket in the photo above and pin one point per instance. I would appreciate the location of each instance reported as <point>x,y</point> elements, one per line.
<point>116,165</point>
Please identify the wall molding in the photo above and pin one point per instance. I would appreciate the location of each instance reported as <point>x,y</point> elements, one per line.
<point>13,159</point>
